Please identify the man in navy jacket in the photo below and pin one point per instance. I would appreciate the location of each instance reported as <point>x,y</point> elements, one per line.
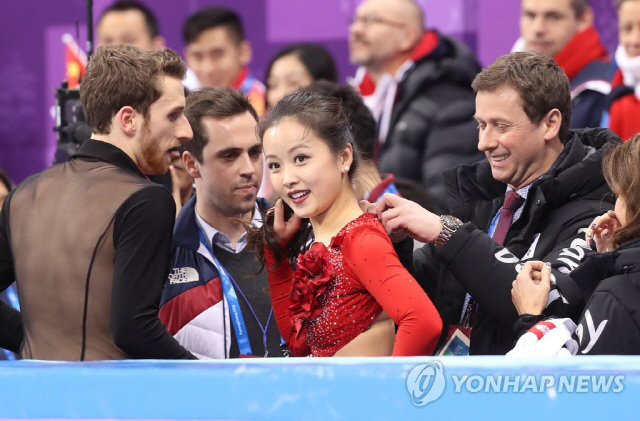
<point>215,302</point>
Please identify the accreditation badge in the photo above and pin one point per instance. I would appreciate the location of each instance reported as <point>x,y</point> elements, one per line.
<point>458,340</point>
<point>248,356</point>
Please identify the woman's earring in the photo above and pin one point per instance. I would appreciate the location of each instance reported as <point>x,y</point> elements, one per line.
<point>346,168</point>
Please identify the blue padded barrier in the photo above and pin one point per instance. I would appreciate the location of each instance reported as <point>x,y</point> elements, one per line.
<point>579,388</point>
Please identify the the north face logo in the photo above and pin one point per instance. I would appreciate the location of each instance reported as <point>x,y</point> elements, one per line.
<point>183,275</point>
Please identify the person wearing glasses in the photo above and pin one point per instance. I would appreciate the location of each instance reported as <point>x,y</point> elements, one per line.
<point>417,84</point>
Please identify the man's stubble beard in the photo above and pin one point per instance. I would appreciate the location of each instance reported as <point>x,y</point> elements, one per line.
<point>157,161</point>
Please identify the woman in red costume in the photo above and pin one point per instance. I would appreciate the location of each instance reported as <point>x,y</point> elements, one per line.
<point>349,287</point>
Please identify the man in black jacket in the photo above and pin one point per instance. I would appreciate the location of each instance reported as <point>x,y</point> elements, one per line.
<point>417,84</point>
<point>523,109</point>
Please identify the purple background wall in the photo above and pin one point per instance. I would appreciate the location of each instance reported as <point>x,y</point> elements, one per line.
<point>32,53</point>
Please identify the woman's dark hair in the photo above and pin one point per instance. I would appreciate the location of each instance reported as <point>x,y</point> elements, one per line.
<point>314,57</point>
<point>363,125</point>
<point>621,169</point>
<point>325,118</point>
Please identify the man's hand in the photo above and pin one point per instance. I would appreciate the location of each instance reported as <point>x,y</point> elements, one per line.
<point>369,207</point>
<point>530,290</point>
<point>402,216</point>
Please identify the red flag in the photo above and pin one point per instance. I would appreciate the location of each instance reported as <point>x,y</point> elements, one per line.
<point>75,61</point>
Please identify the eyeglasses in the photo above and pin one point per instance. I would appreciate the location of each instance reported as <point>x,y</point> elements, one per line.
<point>371,19</point>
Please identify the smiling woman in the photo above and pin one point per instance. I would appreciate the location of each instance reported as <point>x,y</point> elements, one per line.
<point>349,287</point>
<point>296,66</point>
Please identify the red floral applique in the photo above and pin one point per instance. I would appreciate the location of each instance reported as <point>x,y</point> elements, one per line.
<point>337,240</point>
<point>309,282</point>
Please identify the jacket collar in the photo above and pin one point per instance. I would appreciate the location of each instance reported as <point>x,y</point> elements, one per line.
<point>428,44</point>
<point>599,266</point>
<point>103,151</point>
<point>581,50</point>
<point>185,232</point>
<point>244,73</point>
<point>572,175</point>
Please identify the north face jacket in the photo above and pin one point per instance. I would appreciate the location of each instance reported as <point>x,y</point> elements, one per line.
<point>193,306</point>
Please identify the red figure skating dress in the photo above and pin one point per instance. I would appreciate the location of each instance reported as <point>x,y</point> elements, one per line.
<point>337,292</point>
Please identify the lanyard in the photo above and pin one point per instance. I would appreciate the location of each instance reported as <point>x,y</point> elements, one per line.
<point>12,297</point>
<point>234,305</point>
<point>247,83</point>
<point>465,314</point>
<point>494,223</point>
